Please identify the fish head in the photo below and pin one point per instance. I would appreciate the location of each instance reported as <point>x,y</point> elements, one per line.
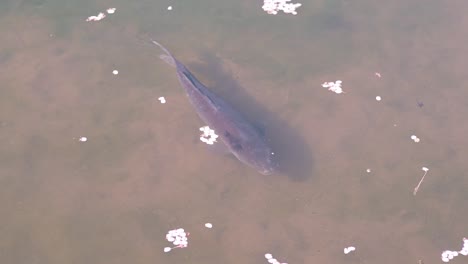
<point>262,158</point>
<point>252,149</point>
<point>270,165</point>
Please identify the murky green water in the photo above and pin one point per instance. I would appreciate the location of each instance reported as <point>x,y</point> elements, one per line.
<point>143,170</point>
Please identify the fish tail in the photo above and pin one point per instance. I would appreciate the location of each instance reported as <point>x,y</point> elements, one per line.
<point>162,47</point>
<point>167,58</point>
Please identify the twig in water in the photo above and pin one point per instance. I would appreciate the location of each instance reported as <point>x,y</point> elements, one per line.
<point>422,179</point>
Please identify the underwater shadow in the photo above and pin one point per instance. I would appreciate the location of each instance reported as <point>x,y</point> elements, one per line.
<point>292,152</point>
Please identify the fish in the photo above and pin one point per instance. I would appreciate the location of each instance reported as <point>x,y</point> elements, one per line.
<point>245,141</point>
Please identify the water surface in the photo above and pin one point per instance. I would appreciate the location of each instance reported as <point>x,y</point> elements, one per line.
<point>143,170</point>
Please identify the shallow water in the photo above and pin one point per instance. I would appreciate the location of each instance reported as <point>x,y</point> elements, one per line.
<point>143,170</point>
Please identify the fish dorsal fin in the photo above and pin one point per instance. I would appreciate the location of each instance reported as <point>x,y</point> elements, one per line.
<point>200,87</point>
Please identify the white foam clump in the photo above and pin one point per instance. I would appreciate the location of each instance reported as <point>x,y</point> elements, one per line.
<point>272,260</point>
<point>273,6</point>
<point>162,100</point>
<point>96,18</point>
<point>178,237</point>
<point>209,136</point>
<point>101,15</point>
<point>415,138</point>
<point>333,86</point>
<point>448,255</point>
<point>348,250</point>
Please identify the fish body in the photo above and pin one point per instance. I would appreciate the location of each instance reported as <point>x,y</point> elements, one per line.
<point>242,139</point>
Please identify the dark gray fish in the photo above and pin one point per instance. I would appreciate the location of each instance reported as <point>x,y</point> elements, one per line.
<point>241,138</point>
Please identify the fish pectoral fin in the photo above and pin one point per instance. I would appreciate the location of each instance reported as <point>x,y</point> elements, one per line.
<point>219,148</point>
<point>168,59</point>
<point>233,142</point>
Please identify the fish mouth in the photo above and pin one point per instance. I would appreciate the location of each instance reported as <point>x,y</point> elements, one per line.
<point>268,171</point>
<point>269,168</point>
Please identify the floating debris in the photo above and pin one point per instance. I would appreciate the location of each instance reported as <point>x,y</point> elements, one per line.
<point>448,255</point>
<point>167,249</point>
<point>415,138</point>
<point>169,8</point>
<point>178,237</point>
<point>333,86</point>
<point>209,136</point>
<point>378,98</point>
<point>96,18</point>
<point>208,225</point>
<point>378,74</point>
<point>272,260</point>
<point>368,170</point>
<point>115,72</point>
<point>273,6</point>
<point>422,179</point>
<point>348,250</point>
<point>101,15</point>
<point>83,139</point>
<point>162,100</point>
